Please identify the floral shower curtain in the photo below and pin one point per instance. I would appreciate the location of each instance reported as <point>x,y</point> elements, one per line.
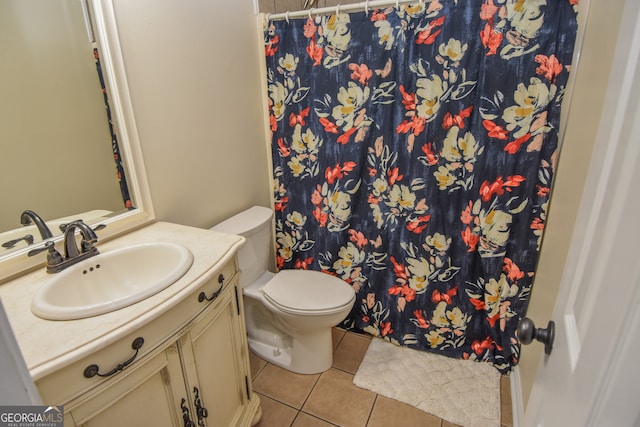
<point>115,146</point>
<point>413,152</point>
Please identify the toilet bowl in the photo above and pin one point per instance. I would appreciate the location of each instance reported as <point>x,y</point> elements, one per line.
<point>289,314</point>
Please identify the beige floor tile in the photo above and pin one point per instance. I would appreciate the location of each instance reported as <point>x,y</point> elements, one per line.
<point>506,411</point>
<point>330,399</point>
<point>336,336</point>
<point>275,414</point>
<point>335,399</point>
<point>350,352</point>
<point>389,412</point>
<point>284,386</point>
<point>306,420</point>
<point>256,364</point>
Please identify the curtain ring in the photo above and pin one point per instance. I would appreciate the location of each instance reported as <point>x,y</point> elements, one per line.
<point>286,16</point>
<point>397,4</point>
<point>337,10</point>
<point>366,7</point>
<point>310,13</point>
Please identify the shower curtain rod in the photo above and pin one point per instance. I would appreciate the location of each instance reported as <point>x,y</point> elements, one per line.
<point>365,5</point>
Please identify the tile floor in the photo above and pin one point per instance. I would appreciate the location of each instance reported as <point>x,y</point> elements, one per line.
<point>331,399</point>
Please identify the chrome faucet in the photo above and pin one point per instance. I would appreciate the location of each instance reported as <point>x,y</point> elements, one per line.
<point>72,254</point>
<point>30,216</point>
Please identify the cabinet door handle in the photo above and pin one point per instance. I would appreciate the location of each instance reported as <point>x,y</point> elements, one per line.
<point>93,370</point>
<point>186,418</point>
<point>203,296</point>
<point>201,411</point>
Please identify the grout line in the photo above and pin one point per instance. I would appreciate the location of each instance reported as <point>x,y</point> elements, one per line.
<point>295,418</point>
<point>259,370</point>
<point>344,371</point>
<point>310,392</point>
<point>344,334</point>
<point>371,411</point>
<point>317,418</point>
<point>277,400</point>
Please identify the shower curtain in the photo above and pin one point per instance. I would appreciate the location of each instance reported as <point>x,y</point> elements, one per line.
<point>115,146</point>
<point>413,154</point>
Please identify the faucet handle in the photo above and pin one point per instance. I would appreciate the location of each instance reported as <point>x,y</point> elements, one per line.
<point>28,238</point>
<point>36,251</point>
<point>53,256</point>
<point>87,245</point>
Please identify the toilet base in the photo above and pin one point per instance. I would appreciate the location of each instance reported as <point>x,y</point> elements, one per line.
<point>276,355</point>
<point>310,354</point>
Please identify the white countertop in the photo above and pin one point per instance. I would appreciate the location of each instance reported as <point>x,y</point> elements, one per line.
<point>48,345</point>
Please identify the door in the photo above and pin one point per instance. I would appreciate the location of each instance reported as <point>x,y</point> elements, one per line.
<point>214,364</point>
<point>147,394</point>
<point>592,377</point>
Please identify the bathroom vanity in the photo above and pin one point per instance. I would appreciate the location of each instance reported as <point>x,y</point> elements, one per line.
<point>176,358</point>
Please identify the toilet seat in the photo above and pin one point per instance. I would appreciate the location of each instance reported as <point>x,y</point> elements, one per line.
<point>308,292</point>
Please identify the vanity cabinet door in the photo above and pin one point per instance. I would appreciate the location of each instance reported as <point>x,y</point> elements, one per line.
<point>147,395</point>
<point>215,365</point>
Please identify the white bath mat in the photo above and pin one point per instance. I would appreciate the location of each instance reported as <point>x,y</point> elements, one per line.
<point>463,392</point>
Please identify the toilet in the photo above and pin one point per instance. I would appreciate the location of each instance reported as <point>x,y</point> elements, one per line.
<point>289,314</point>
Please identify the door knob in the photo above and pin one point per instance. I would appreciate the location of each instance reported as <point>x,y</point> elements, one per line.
<point>527,332</point>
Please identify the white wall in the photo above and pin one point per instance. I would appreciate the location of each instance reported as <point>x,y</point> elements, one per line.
<point>195,80</point>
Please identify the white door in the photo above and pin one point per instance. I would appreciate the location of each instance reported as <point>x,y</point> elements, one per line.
<point>592,377</point>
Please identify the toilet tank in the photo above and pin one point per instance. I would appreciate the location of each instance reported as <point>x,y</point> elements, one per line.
<point>254,224</point>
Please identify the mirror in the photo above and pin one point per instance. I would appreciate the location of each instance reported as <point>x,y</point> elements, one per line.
<point>57,157</point>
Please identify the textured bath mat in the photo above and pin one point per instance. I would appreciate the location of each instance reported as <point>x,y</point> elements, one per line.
<point>463,392</point>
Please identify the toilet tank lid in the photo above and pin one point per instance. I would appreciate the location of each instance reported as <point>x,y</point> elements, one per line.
<point>308,290</point>
<point>245,222</point>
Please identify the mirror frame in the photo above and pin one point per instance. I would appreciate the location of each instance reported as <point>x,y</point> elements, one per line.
<point>106,32</point>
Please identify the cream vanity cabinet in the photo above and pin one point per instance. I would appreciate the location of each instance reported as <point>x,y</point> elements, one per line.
<point>191,370</point>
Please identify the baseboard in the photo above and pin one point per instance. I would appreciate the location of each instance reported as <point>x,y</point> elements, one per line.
<point>517,406</point>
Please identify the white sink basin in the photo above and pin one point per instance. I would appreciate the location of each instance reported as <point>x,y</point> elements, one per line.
<point>111,280</point>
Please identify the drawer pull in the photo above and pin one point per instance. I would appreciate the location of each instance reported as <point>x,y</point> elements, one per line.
<point>201,411</point>
<point>202,296</point>
<point>93,370</point>
<point>186,418</point>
